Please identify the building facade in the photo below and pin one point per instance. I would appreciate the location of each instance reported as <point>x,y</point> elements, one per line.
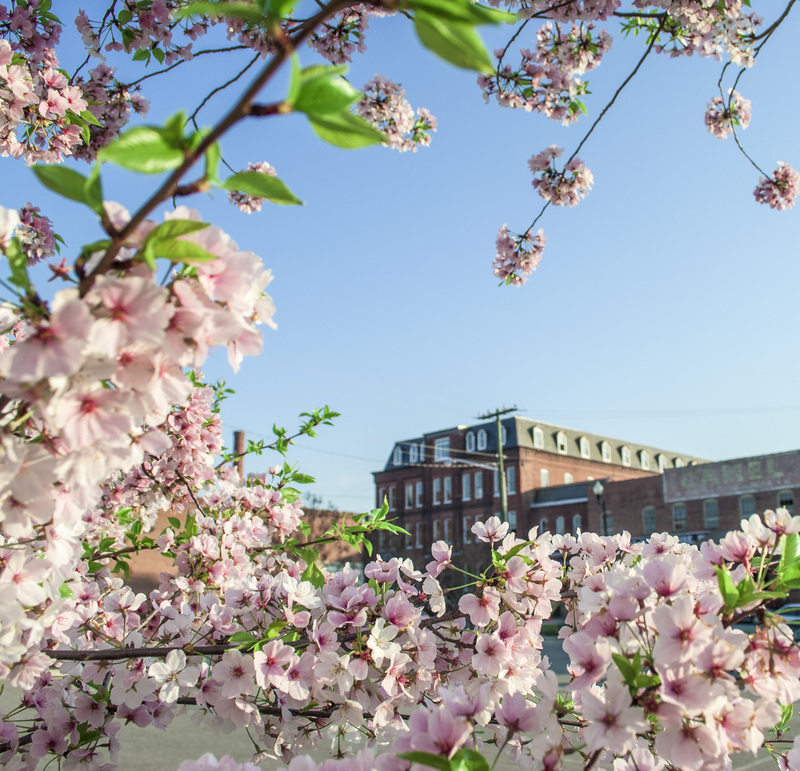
<point>439,484</point>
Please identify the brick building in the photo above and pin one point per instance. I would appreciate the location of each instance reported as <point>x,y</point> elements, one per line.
<point>439,484</point>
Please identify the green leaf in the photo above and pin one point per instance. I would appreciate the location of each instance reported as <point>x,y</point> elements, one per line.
<point>314,575</point>
<point>142,55</point>
<point>65,591</point>
<point>427,759</point>
<point>273,630</point>
<point>726,587</point>
<point>19,266</point>
<point>159,55</point>
<point>626,667</point>
<point>469,760</point>
<point>145,149</point>
<point>322,90</point>
<point>455,42</point>
<point>303,479</point>
<point>94,191</point>
<point>66,182</point>
<point>124,16</point>
<point>461,10</point>
<point>343,129</point>
<point>261,185</point>
<point>178,251</point>
<point>789,549</point>
<point>243,11</point>
<point>174,228</point>
<point>213,155</point>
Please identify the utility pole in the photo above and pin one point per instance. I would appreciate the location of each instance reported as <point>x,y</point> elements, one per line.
<point>500,467</point>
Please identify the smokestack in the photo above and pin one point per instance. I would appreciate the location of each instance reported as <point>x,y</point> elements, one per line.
<point>238,450</point>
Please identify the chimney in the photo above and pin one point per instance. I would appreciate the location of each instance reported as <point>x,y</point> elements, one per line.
<point>238,450</point>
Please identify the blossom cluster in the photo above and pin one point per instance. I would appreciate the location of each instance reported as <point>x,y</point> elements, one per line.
<point>561,188</point>
<point>517,256</point>
<point>385,106</point>
<point>251,203</point>
<point>722,116</point>
<point>780,191</point>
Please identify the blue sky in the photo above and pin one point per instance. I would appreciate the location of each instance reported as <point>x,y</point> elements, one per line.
<point>663,310</point>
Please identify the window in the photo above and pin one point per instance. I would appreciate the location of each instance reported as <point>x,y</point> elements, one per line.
<point>466,486</point>
<point>391,499</point>
<point>408,540</point>
<point>496,480</point>
<point>470,441</point>
<point>538,438</point>
<point>625,451</point>
<point>543,525</point>
<point>441,449</point>
<point>561,442</point>
<point>605,452</point>
<point>584,445</point>
<point>381,496</point>
<point>466,520</point>
<point>503,436</point>
<point>576,523</point>
<point>422,450</point>
<point>409,495</point>
<point>678,463</point>
<point>437,491</point>
<point>786,501</point>
<point>435,530</point>
<point>397,458</point>
<point>608,524</point>
<point>482,439</point>
<point>478,485</point>
<point>448,489</point>
<point>560,524</point>
<point>662,462</point>
<point>413,453</point>
<point>418,528</point>
<point>511,480</point>
<point>678,517</point>
<point>568,478</point>
<point>649,520</point>
<point>419,495</point>
<point>512,520</point>
<point>447,533</point>
<point>644,459</point>
<point>544,478</point>
<point>381,541</point>
<point>711,514</point>
<point>747,505</point>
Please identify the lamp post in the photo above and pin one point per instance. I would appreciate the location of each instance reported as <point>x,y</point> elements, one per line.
<point>598,490</point>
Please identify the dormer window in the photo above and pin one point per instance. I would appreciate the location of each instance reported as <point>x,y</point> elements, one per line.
<point>625,452</point>
<point>397,457</point>
<point>503,436</point>
<point>441,449</point>
<point>584,445</point>
<point>561,442</point>
<point>644,459</point>
<point>413,453</point>
<point>470,441</point>
<point>482,439</point>
<point>538,438</point>
<point>605,452</point>
<point>662,462</point>
<point>678,462</point>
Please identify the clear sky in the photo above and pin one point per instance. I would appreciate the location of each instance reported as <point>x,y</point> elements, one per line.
<point>664,309</point>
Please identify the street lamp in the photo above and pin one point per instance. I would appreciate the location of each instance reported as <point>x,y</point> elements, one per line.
<point>598,490</point>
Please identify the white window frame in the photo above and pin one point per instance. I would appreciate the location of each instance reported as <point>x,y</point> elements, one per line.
<point>447,533</point>
<point>470,441</point>
<point>482,439</point>
<point>662,462</point>
<point>747,511</point>
<point>782,505</point>
<point>561,443</point>
<point>413,453</point>
<point>568,478</point>
<point>561,524</point>
<point>511,480</point>
<point>586,449</point>
<point>543,526</point>
<point>422,450</point>
<point>420,490</point>
<point>465,522</point>
<point>466,486</point>
<point>649,513</point>
<point>605,452</point>
<point>418,530</point>
<point>577,522</point>
<point>381,496</point>
<point>678,463</point>
<point>544,477</point>
<point>644,459</point>
<point>437,491</point>
<point>478,485</point>
<point>397,456</point>
<point>625,454</point>
<point>435,526</point>
<point>538,438</point>
<point>409,495</point>
<point>512,520</point>
<point>448,490</point>
<point>496,482</point>
<point>678,514</point>
<point>714,525</point>
<point>441,449</point>
<point>503,436</point>
<point>391,498</point>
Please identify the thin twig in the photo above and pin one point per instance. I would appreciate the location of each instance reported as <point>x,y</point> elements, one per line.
<point>215,91</point>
